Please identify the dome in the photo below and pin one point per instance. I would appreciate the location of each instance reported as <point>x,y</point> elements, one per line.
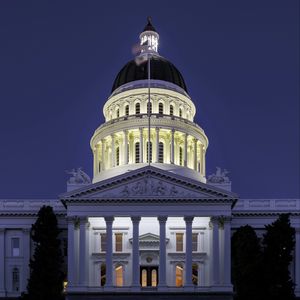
<point>161,69</point>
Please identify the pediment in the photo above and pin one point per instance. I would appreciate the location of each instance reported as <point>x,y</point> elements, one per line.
<point>148,182</point>
<point>149,239</point>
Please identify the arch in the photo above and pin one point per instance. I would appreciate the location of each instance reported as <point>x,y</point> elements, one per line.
<point>137,152</point>
<point>161,152</point>
<point>195,274</point>
<point>161,108</point>
<point>154,278</point>
<point>119,275</point>
<point>179,275</point>
<point>171,110</point>
<point>147,147</point>
<point>102,274</point>
<point>126,109</point>
<point>137,108</point>
<point>15,279</point>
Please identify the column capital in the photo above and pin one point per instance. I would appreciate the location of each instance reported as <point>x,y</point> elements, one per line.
<point>157,128</point>
<point>135,219</point>
<point>109,219</point>
<point>97,145</point>
<point>162,219</point>
<point>173,130</point>
<point>188,219</point>
<point>141,128</point>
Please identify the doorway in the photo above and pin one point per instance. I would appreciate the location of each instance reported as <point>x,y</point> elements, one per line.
<point>149,276</point>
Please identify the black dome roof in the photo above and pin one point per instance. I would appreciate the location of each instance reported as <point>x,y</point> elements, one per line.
<point>161,69</point>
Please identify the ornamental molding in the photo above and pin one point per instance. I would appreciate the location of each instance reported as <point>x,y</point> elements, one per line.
<point>148,240</point>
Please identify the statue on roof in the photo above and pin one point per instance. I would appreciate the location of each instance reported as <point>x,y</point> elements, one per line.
<point>78,177</point>
<point>219,177</point>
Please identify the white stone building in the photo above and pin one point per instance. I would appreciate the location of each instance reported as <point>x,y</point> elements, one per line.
<point>150,221</point>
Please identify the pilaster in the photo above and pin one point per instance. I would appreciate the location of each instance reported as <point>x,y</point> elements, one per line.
<point>188,283</point>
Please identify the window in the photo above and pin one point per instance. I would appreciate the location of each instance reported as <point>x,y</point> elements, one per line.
<point>118,113</point>
<point>171,110</point>
<point>137,108</point>
<point>149,105</point>
<point>117,156</point>
<point>103,242</point>
<point>118,242</point>
<point>160,108</point>
<point>161,152</point>
<point>127,110</point>
<point>180,112</point>
<point>15,246</point>
<point>179,241</point>
<point>15,279</point>
<point>154,277</point>
<point>195,242</point>
<point>119,275</point>
<point>144,277</point>
<point>103,274</point>
<point>137,152</point>
<point>195,274</point>
<point>179,276</point>
<point>150,151</point>
<point>180,156</point>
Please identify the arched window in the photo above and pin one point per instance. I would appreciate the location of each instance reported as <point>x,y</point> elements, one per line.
<point>137,152</point>
<point>161,152</point>
<point>103,274</point>
<point>195,274</point>
<point>179,275</point>
<point>154,277</point>
<point>137,108</point>
<point>180,156</point>
<point>160,108</point>
<point>171,110</point>
<point>117,156</point>
<point>148,152</point>
<point>180,112</point>
<point>15,279</point>
<point>144,277</point>
<point>119,275</point>
<point>149,105</point>
<point>118,112</point>
<point>126,110</point>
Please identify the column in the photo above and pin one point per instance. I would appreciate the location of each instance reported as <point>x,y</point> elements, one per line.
<point>185,150</point>
<point>109,252</point>
<point>113,164</point>
<point>135,253</point>
<point>162,252</point>
<point>201,159</point>
<point>227,250</point>
<point>125,159</point>
<point>188,252</point>
<point>95,161</point>
<point>2,262</point>
<point>83,251</point>
<point>71,252</point>
<point>172,145</point>
<point>195,154</point>
<point>141,145</point>
<point>215,251</point>
<point>157,144</point>
<point>297,263</point>
<point>26,254</point>
<point>103,155</point>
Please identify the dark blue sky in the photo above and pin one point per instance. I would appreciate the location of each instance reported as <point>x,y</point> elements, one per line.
<point>58,60</point>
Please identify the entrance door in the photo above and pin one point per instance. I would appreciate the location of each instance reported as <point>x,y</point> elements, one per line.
<point>149,276</point>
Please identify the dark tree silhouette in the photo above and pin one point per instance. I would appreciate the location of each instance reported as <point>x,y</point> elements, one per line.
<point>46,276</point>
<point>278,245</point>
<point>246,264</point>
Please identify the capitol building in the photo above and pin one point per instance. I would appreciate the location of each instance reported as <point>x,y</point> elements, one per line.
<point>151,220</point>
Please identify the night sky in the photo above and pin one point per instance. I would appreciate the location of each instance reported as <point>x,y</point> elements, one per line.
<point>58,61</point>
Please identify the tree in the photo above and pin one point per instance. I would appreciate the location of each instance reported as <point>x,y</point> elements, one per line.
<point>246,263</point>
<point>278,245</point>
<point>46,277</point>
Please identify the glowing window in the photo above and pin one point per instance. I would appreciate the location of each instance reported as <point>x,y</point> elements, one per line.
<point>179,276</point>
<point>180,112</point>
<point>171,110</point>
<point>15,279</point>
<point>102,274</point>
<point>117,156</point>
<point>195,242</point>
<point>195,274</point>
<point>137,108</point>
<point>119,276</point>
<point>180,156</point>
<point>160,108</point>
<point>119,242</point>
<point>161,152</point>
<point>15,247</point>
<point>144,277</point>
<point>154,277</point>
<point>137,152</point>
<point>179,242</point>
<point>127,110</point>
<point>103,242</point>
<point>150,151</point>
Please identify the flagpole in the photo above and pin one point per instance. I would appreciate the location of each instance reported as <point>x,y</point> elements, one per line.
<point>149,102</point>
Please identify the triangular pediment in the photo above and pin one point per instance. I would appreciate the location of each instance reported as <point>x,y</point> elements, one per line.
<point>148,182</point>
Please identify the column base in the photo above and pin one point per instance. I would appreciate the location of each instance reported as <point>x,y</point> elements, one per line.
<point>108,288</point>
<point>162,288</point>
<point>135,288</point>
<point>2,293</point>
<point>189,287</point>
